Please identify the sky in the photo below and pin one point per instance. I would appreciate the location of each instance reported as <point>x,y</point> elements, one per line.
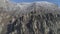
<point>53,1</point>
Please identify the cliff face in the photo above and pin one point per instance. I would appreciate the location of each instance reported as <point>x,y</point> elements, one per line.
<point>29,18</point>
<point>33,23</point>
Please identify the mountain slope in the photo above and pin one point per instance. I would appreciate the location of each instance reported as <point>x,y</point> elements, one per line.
<point>29,18</point>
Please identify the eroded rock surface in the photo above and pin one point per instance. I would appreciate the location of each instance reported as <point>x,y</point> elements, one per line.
<point>29,18</point>
<point>33,23</point>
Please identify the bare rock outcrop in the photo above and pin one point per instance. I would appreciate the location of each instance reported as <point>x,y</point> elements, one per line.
<point>29,18</point>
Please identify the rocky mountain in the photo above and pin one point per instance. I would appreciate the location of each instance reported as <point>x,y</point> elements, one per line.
<point>29,18</point>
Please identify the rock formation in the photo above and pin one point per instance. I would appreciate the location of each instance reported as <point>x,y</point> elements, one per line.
<point>29,18</point>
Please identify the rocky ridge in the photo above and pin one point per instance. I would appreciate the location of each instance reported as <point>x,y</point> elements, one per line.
<point>29,18</point>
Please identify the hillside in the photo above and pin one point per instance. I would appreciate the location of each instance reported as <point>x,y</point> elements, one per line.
<point>29,18</point>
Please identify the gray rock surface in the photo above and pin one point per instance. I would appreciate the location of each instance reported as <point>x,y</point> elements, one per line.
<point>29,18</point>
